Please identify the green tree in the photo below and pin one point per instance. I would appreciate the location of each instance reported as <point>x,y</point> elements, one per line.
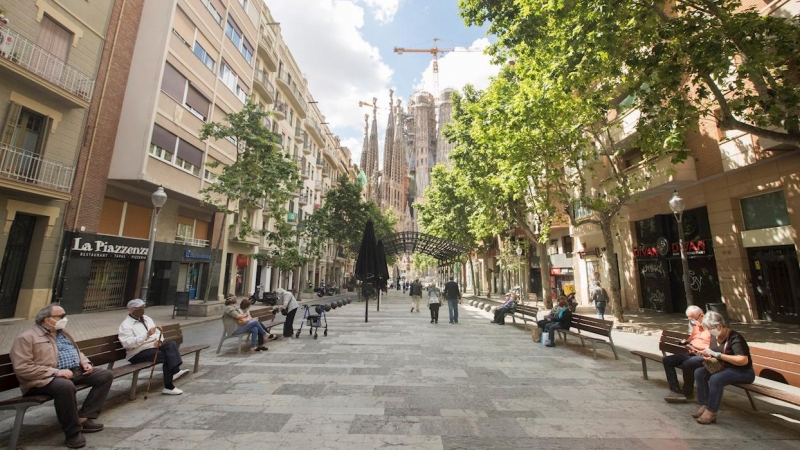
<point>261,179</point>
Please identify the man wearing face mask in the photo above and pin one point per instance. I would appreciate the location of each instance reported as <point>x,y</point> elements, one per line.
<point>699,340</point>
<point>141,339</point>
<point>46,361</point>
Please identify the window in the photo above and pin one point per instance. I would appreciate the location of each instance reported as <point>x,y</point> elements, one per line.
<point>215,8</point>
<point>201,53</point>
<point>162,144</point>
<point>235,34</point>
<point>185,231</point>
<point>26,130</point>
<point>230,79</point>
<point>54,38</point>
<point>173,83</point>
<point>567,243</point>
<point>190,158</point>
<point>209,176</point>
<point>765,211</point>
<point>197,103</point>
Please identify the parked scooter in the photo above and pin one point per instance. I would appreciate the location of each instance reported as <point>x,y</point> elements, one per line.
<point>267,298</point>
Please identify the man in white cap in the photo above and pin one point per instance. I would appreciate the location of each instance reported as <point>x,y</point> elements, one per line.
<point>141,339</point>
<point>289,308</point>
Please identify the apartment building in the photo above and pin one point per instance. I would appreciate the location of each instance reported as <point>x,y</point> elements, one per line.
<point>739,226</point>
<point>49,56</point>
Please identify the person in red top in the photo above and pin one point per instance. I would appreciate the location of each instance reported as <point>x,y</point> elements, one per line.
<point>699,340</point>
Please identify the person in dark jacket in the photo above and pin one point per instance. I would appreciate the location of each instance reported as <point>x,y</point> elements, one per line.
<point>562,320</point>
<point>453,295</point>
<point>416,295</point>
<point>507,307</point>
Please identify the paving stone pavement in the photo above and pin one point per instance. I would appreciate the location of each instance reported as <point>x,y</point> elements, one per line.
<point>399,381</point>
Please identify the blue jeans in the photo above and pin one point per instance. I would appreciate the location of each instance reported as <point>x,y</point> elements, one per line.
<point>551,328</point>
<point>255,329</point>
<point>688,364</point>
<point>452,308</point>
<point>601,310</point>
<point>710,387</point>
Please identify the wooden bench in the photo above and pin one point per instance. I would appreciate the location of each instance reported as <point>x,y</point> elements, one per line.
<point>524,312</point>
<point>670,342</point>
<point>103,350</point>
<point>592,325</point>
<point>264,315</point>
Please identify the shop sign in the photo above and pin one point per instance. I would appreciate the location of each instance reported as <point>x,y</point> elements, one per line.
<point>103,249</point>
<point>693,248</point>
<point>188,254</point>
<point>561,271</point>
<point>242,260</point>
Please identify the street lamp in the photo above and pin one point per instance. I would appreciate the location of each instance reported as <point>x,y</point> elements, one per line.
<point>159,197</point>
<point>677,205</point>
<point>521,280</point>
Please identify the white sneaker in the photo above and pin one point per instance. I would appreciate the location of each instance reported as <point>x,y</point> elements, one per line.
<point>174,391</point>
<point>180,373</point>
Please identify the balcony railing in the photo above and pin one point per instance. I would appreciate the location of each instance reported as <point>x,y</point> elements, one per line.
<point>21,165</point>
<point>318,185</point>
<point>191,241</point>
<point>280,109</point>
<point>284,77</point>
<point>265,84</point>
<point>39,61</point>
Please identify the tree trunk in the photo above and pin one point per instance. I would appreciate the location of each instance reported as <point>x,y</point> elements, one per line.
<point>212,265</point>
<point>611,269</point>
<point>544,268</point>
<point>475,289</point>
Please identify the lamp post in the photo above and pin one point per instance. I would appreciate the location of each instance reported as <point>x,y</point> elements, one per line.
<point>677,205</point>
<point>521,280</point>
<point>159,197</point>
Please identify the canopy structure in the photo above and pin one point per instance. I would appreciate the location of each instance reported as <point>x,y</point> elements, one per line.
<point>415,242</point>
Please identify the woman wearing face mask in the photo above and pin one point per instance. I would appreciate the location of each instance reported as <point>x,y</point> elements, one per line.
<point>730,348</point>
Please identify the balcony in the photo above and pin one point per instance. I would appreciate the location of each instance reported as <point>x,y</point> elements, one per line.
<point>315,131</point>
<point>293,93</point>
<point>306,146</point>
<point>279,110</point>
<point>320,163</point>
<point>191,241</point>
<point>624,126</point>
<point>264,87</point>
<point>266,48</point>
<point>326,172</point>
<point>658,177</point>
<point>305,172</point>
<point>318,185</point>
<point>18,52</point>
<point>303,200</point>
<point>330,155</point>
<point>22,166</point>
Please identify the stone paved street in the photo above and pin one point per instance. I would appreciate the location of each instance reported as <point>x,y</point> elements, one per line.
<point>401,382</point>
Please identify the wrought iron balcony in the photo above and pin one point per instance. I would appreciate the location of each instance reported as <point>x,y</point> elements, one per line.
<point>191,241</point>
<point>264,86</point>
<point>266,47</point>
<point>279,110</point>
<point>24,53</point>
<point>295,96</point>
<point>27,167</point>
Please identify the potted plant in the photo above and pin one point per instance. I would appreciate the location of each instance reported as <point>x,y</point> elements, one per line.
<point>3,18</point>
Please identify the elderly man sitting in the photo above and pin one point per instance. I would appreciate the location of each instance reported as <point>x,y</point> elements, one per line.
<point>699,340</point>
<point>508,306</point>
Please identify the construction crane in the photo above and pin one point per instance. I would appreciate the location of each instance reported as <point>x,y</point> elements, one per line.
<point>435,51</point>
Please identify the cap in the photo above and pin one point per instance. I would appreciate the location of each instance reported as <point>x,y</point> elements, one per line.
<point>135,303</point>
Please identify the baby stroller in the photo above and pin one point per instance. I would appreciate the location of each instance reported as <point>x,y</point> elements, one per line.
<point>314,320</point>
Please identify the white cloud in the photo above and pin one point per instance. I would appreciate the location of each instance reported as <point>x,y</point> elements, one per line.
<point>460,67</point>
<point>383,10</point>
<point>342,68</point>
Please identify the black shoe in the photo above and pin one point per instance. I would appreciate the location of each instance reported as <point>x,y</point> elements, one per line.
<point>412,310</point>
<point>492,321</point>
<point>90,426</point>
<point>550,345</point>
<point>261,348</point>
<point>436,321</point>
<point>75,441</point>
<point>431,320</point>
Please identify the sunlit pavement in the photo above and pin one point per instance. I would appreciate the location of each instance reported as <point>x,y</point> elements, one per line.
<point>399,381</point>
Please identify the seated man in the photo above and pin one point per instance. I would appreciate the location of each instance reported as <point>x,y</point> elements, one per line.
<point>508,306</point>
<point>142,340</point>
<point>46,361</point>
<point>699,340</point>
<point>562,320</point>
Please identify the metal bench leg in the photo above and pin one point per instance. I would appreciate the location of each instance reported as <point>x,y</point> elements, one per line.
<point>752,401</point>
<point>221,340</point>
<point>241,336</point>
<point>613,349</point>
<point>644,367</point>
<point>594,350</point>
<point>20,416</point>
<point>134,382</point>
<point>196,361</point>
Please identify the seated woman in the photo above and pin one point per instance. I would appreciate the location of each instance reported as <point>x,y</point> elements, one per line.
<point>553,312</point>
<point>507,307</point>
<point>244,307</point>
<point>729,348</point>
<point>236,322</point>
<point>562,320</point>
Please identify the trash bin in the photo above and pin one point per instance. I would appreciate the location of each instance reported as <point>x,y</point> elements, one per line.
<point>721,308</point>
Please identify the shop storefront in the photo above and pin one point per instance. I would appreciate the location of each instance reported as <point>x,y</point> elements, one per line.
<point>103,272</point>
<point>658,261</point>
<point>562,280</point>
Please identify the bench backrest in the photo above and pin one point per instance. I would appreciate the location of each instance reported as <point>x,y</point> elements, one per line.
<point>528,310</point>
<point>8,380</point>
<point>776,366</point>
<point>670,342</point>
<point>592,325</point>
<point>263,314</point>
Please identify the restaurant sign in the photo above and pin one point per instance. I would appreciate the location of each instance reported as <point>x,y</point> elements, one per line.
<point>104,249</point>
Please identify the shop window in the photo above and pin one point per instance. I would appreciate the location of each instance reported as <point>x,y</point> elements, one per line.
<point>765,211</point>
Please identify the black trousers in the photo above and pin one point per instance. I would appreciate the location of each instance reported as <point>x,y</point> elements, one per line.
<point>500,315</point>
<point>288,326</point>
<point>65,397</point>
<point>434,307</point>
<point>168,355</point>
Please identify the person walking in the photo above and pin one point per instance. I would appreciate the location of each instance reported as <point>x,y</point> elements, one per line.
<point>453,296</point>
<point>289,308</point>
<point>600,298</point>
<point>699,340</point>
<point>434,301</point>
<point>47,361</point>
<point>416,295</point>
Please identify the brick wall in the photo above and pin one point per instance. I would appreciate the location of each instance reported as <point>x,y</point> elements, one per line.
<point>97,147</point>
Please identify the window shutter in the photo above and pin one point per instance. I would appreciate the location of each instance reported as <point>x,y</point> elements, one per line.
<point>164,139</point>
<point>190,153</point>
<point>14,110</point>
<point>197,101</point>
<point>173,83</point>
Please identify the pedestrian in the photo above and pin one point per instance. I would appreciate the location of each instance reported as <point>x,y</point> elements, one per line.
<point>453,296</point>
<point>142,340</point>
<point>699,340</point>
<point>289,309</point>
<point>47,361</point>
<point>416,294</point>
<point>600,298</point>
<point>434,301</point>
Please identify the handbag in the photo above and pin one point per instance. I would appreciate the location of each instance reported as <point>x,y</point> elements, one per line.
<point>713,365</point>
<point>536,334</point>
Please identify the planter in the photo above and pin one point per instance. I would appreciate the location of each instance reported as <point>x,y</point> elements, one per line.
<point>208,309</point>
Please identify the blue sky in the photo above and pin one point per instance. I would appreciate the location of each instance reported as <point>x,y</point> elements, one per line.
<point>345,49</point>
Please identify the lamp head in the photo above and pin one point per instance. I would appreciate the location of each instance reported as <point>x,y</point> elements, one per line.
<point>159,197</point>
<point>676,203</point>
<point>519,251</point>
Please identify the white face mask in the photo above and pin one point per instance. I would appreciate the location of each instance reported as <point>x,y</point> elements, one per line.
<point>693,322</point>
<point>715,332</point>
<point>61,324</point>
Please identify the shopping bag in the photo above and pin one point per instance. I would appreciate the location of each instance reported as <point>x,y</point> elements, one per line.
<point>545,338</point>
<point>536,334</point>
